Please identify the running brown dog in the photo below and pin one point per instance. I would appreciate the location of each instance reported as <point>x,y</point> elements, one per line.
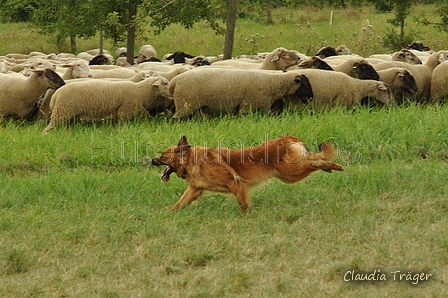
<point>237,170</point>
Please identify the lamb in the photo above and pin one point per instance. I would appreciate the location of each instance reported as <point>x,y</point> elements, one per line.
<point>421,73</point>
<point>92,100</point>
<point>77,69</point>
<point>400,81</point>
<point>333,88</point>
<point>439,82</point>
<point>406,56</point>
<point>146,52</point>
<point>357,68</point>
<point>227,90</point>
<point>278,59</point>
<point>19,94</point>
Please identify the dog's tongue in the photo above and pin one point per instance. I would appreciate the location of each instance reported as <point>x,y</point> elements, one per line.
<point>166,175</point>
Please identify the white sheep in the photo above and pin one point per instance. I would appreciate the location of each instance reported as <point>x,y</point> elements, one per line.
<point>333,88</point>
<point>146,52</point>
<point>171,74</point>
<point>406,56</point>
<point>4,66</point>
<point>422,73</point>
<point>77,69</point>
<point>227,90</point>
<point>400,81</point>
<point>19,94</point>
<point>94,100</point>
<point>119,72</point>
<point>121,52</point>
<point>278,59</point>
<point>439,82</point>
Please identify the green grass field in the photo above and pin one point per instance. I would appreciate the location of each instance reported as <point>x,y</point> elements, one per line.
<point>84,214</point>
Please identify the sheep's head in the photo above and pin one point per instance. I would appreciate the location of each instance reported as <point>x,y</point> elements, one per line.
<point>364,71</point>
<point>384,94</point>
<point>406,56</point>
<point>53,80</point>
<point>282,59</point>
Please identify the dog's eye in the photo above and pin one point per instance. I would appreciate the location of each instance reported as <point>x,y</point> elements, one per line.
<point>162,157</point>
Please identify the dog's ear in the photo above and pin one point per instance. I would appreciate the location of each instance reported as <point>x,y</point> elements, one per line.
<point>183,144</point>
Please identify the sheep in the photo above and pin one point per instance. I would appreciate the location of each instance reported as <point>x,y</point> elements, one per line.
<point>44,101</point>
<point>3,66</point>
<point>94,100</point>
<point>121,52</point>
<point>227,90</point>
<point>326,52</point>
<point>400,81</point>
<point>199,61</point>
<point>343,50</point>
<point>357,68</point>
<point>145,52</point>
<point>278,59</point>
<point>406,56</point>
<point>171,74</point>
<point>418,45</point>
<point>33,64</point>
<point>313,62</point>
<point>333,88</point>
<point>179,57</point>
<point>19,94</point>
<point>422,73</point>
<point>102,59</point>
<point>77,69</point>
<point>122,62</point>
<point>439,82</point>
<point>120,72</point>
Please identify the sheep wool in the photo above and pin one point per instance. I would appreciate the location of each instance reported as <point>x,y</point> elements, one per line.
<point>227,90</point>
<point>99,99</point>
<point>333,88</point>
<point>439,82</point>
<point>19,94</point>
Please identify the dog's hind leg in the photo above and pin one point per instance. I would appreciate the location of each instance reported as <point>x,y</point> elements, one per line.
<point>239,189</point>
<point>190,195</point>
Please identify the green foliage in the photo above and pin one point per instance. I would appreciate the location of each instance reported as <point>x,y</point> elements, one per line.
<point>17,10</point>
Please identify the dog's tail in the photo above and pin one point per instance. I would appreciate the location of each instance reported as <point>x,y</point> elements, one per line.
<point>324,158</point>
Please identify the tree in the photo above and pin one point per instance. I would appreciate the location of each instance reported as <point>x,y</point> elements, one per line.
<point>441,25</point>
<point>230,28</point>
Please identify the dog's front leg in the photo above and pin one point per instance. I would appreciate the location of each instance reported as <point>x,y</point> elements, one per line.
<point>239,189</point>
<point>190,194</point>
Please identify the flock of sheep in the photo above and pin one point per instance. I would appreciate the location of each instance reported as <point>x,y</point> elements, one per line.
<point>94,85</point>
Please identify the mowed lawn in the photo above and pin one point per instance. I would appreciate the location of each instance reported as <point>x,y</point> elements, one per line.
<point>84,214</point>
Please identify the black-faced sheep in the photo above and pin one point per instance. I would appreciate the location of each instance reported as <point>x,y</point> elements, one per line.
<point>313,62</point>
<point>101,60</point>
<point>333,88</point>
<point>422,73</point>
<point>357,68</point>
<point>94,100</point>
<point>418,45</point>
<point>19,94</point>
<point>439,82</point>
<point>179,57</point>
<point>326,52</point>
<point>229,90</point>
<point>400,81</point>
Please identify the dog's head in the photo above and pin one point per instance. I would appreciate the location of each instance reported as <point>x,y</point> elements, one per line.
<point>176,158</point>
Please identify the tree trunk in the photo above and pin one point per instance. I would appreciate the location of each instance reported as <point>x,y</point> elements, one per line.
<point>269,12</point>
<point>131,32</point>
<point>73,46</point>
<point>230,28</point>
